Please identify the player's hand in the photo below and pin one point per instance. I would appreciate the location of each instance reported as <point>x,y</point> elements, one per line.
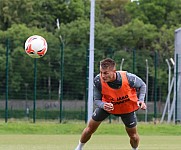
<point>142,105</point>
<point>108,106</point>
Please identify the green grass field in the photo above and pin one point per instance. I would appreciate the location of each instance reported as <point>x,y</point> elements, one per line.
<point>97,142</point>
<point>55,136</point>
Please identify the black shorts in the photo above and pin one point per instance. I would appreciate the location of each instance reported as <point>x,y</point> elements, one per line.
<point>129,119</point>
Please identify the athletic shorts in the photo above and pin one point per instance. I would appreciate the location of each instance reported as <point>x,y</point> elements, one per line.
<point>129,119</point>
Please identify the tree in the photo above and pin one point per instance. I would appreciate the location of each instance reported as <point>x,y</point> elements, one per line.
<point>46,12</point>
<point>22,66</point>
<point>115,11</point>
<point>75,36</point>
<point>156,12</point>
<point>15,12</point>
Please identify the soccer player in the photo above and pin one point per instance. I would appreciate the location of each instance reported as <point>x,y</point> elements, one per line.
<point>119,93</point>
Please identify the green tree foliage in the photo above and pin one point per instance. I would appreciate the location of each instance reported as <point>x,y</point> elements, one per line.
<point>47,11</point>
<point>121,26</point>
<point>115,11</point>
<point>40,13</point>
<point>76,38</point>
<point>15,12</point>
<point>21,65</point>
<point>156,12</point>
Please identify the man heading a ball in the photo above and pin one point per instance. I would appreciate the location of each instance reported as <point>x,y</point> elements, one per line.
<point>115,92</point>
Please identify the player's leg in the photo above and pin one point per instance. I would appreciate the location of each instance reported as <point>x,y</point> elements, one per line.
<point>87,133</point>
<point>98,116</point>
<point>134,137</point>
<point>89,130</point>
<point>130,122</point>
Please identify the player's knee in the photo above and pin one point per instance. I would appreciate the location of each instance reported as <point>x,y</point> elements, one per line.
<point>134,137</point>
<point>89,131</point>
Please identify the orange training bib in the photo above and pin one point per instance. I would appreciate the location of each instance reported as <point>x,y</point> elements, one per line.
<point>124,99</point>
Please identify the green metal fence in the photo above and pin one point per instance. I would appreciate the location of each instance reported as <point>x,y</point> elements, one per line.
<point>56,88</point>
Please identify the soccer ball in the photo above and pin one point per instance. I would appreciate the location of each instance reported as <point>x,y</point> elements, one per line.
<point>36,46</point>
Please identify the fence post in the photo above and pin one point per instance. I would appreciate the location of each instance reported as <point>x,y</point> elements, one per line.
<point>155,87</point>
<point>176,89</point>
<point>147,71</point>
<point>61,72</point>
<point>34,102</point>
<point>86,84</point>
<point>7,77</point>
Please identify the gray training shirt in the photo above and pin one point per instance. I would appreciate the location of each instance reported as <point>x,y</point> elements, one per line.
<point>134,82</point>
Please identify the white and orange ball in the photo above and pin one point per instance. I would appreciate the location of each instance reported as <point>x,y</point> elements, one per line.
<point>36,46</point>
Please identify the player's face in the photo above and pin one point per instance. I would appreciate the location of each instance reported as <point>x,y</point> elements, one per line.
<point>108,74</point>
